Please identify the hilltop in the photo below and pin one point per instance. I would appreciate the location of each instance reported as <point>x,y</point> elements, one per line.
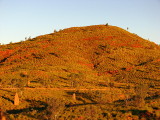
<point>98,64</point>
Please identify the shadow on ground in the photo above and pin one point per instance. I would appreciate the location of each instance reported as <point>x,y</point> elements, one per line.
<point>37,106</point>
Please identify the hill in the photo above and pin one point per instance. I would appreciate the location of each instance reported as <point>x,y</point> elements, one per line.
<point>91,57</point>
<point>89,52</point>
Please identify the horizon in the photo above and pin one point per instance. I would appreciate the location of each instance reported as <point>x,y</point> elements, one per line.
<point>31,18</point>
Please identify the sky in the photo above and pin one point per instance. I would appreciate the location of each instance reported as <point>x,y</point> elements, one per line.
<point>31,18</point>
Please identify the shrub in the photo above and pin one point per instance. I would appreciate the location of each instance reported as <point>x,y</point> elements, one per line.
<point>141,92</point>
<point>55,108</point>
<point>55,31</point>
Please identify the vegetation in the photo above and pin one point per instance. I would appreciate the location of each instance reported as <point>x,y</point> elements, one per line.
<point>93,72</point>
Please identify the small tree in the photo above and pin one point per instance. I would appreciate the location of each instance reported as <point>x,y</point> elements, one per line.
<point>55,108</point>
<point>106,24</point>
<point>55,31</point>
<point>91,112</point>
<point>74,79</point>
<point>141,92</point>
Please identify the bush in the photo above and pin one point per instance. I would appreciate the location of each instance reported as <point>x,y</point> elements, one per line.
<point>55,108</point>
<point>141,92</point>
<point>106,24</point>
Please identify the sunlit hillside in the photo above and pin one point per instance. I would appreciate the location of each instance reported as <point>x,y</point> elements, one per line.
<point>103,65</point>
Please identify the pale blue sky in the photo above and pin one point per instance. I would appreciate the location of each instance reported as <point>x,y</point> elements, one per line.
<point>24,18</point>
